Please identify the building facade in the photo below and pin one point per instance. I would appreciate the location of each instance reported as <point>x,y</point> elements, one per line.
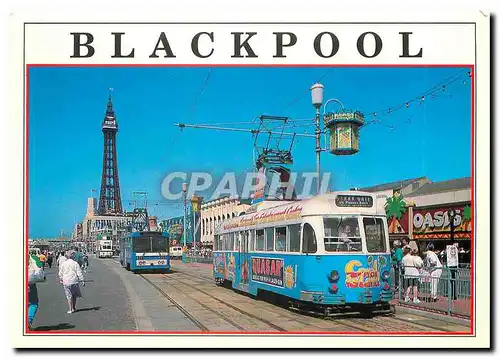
<point>215,211</point>
<point>94,225</point>
<point>175,229</point>
<point>404,187</point>
<point>423,214</point>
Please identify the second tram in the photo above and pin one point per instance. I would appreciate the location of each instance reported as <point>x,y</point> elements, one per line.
<point>104,248</point>
<point>148,250</point>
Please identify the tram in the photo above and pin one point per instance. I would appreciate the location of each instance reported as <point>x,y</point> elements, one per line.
<point>104,248</point>
<point>329,254</point>
<point>147,250</point>
<point>176,252</point>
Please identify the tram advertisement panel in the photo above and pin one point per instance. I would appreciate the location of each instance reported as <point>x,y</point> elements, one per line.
<point>267,270</point>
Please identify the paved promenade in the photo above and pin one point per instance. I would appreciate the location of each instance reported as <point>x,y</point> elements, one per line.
<point>104,306</point>
<point>113,300</point>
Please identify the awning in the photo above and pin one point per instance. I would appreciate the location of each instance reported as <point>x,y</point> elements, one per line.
<point>442,236</point>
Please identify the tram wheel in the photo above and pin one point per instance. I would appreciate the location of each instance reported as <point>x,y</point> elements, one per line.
<point>128,267</point>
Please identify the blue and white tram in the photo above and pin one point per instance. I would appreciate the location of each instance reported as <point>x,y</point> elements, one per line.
<point>329,253</point>
<point>148,250</point>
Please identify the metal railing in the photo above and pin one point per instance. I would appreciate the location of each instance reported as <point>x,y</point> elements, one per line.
<point>446,289</point>
<point>205,259</point>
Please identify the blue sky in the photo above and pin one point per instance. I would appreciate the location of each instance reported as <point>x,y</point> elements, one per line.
<point>67,105</point>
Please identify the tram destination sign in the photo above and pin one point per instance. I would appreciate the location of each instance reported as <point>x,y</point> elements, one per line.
<point>354,201</point>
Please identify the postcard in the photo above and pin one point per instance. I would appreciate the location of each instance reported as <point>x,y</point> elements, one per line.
<point>267,180</point>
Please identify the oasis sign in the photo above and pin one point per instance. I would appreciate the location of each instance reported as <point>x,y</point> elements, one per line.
<point>433,220</point>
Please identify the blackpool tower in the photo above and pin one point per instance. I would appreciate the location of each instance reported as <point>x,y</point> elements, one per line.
<point>109,199</point>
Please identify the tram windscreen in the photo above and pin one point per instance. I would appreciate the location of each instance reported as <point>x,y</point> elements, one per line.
<point>142,244</point>
<point>150,243</point>
<point>375,235</point>
<point>342,234</point>
<point>159,244</point>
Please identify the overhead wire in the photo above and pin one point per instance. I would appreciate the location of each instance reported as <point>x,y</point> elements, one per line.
<point>439,87</point>
<point>296,99</point>
<point>202,89</point>
<point>432,92</point>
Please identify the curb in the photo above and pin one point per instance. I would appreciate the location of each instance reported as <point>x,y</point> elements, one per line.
<point>434,315</point>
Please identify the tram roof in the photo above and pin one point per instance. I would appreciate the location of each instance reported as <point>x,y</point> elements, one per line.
<point>339,202</point>
<point>143,233</point>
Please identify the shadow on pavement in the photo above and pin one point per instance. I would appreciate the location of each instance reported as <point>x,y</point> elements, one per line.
<point>97,308</point>
<point>58,327</point>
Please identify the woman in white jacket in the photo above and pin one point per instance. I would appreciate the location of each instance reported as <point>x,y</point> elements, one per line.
<point>435,268</point>
<point>70,275</point>
<point>412,264</point>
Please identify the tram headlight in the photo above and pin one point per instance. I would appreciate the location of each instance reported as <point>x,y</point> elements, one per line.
<point>386,275</point>
<point>334,276</point>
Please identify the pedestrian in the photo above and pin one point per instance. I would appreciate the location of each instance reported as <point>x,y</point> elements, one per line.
<point>397,257</point>
<point>70,275</point>
<point>61,259</point>
<point>33,303</point>
<point>50,258</point>
<point>435,268</point>
<point>78,257</point>
<point>85,262</point>
<point>42,258</point>
<point>35,274</point>
<point>412,264</point>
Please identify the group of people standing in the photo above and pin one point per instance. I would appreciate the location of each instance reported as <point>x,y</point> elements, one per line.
<point>47,258</point>
<point>410,266</point>
<point>71,265</point>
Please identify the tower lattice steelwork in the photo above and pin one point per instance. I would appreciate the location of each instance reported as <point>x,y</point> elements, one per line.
<point>110,199</point>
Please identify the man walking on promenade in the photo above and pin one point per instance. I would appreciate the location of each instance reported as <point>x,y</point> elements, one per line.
<point>61,259</point>
<point>70,275</point>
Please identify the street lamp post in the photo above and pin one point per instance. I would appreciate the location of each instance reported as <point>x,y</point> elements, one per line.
<point>196,207</point>
<point>453,271</point>
<point>317,100</point>
<point>194,231</point>
<point>184,191</point>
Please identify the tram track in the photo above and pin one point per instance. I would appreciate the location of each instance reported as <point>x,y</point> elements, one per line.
<point>246,313</point>
<point>295,316</point>
<point>177,305</point>
<point>201,304</point>
<point>380,322</point>
<point>290,315</point>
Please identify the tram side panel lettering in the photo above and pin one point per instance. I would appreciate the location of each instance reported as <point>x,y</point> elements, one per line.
<point>267,270</point>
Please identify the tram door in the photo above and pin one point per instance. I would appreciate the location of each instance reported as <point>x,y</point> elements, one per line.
<point>310,262</point>
<point>242,278</point>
